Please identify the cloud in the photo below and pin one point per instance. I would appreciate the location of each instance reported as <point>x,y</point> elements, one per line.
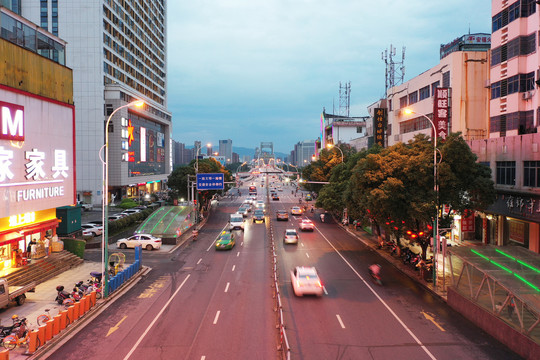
<point>254,70</point>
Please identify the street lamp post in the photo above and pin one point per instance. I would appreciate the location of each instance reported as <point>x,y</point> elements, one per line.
<point>330,146</point>
<point>105,200</point>
<point>436,189</point>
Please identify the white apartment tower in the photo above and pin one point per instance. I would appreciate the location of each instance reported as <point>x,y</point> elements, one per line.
<point>117,50</point>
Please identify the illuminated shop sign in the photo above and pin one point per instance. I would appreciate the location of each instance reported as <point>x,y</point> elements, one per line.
<point>143,144</point>
<point>36,155</point>
<point>11,122</point>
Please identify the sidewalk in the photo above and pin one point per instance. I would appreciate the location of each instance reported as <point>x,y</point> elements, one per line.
<point>43,298</point>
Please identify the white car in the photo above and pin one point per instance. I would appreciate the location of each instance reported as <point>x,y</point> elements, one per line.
<point>131,211</point>
<point>259,204</point>
<point>306,225</point>
<point>92,230</point>
<point>296,210</point>
<point>290,237</point>
<point>305,280</point>
<point>147,241</point>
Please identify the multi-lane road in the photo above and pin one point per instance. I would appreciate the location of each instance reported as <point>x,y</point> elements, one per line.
<point>199,303</point>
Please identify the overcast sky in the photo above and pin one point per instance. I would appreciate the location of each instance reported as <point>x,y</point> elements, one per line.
<point>262,70</point>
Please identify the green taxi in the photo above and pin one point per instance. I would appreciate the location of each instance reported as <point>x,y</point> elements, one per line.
<point>225,241</point>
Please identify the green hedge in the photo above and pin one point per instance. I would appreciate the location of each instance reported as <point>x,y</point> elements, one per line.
<point>130,220</point>
<point>75,246</point>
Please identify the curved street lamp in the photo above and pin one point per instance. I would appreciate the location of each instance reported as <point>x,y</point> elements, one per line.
<point>331,146</point>
<point>105,199</point>
<point>436,189</point>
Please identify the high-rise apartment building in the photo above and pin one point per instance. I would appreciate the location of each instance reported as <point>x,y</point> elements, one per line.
<point>225,149</point>
<point>512,147</point>
<point>117,50</point>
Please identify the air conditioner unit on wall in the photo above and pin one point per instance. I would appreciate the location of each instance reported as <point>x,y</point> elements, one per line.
<point>527,95</point>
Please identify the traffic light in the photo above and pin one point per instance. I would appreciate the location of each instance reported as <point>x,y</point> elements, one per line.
<point>195,202</point>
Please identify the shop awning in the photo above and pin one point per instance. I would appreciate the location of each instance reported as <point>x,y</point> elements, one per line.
<point>41,225</point>
<point>11,237</point>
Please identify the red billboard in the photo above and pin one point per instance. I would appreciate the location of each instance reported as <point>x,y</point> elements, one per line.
<point>440,111</point>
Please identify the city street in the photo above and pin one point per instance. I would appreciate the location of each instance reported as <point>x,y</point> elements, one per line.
<point>198,303</point>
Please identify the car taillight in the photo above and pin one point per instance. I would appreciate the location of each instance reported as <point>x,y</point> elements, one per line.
<point>157,240</point>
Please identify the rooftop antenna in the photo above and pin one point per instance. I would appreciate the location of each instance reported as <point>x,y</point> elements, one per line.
<point>395,71</point>
<point>344,99</point>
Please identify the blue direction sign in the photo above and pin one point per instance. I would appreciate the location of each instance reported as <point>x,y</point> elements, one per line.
<point>210,181</point>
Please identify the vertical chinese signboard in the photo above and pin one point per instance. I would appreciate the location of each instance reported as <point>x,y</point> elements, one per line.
<point>440,112</point>
<point>379,124</point>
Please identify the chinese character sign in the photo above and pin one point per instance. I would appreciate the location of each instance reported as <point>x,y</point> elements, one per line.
<point>440,111</point>
<point>379,123</point>
<point>210,181</point>
<point>37,159</point>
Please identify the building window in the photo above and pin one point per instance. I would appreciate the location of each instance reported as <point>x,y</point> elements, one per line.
<point>496,56</point>
<point>513,84</point>
<point>526,82</point>
<point>506,173</point>
<point>358,129</point>
<point>496,22</point>
<point>531,173</point>
<point>496,90</point>
<point>403,102</point>
<point>435,85</point>
<point>413,97</point>
<point>44,21</point>
<point>389,104</point>
<point>424,92</point>
<point>446,79</point>
<point>528,7</point>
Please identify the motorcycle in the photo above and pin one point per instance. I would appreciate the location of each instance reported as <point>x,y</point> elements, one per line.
<point>375,275</point>
<point>63,297</point>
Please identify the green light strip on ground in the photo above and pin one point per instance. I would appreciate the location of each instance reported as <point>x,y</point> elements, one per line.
<point>518,261</point>
<point>150,218</point>
<point>167,228</point>
<point>506,269</point>
<point>157,223</point>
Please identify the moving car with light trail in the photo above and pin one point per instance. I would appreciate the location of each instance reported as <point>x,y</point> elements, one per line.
<point>296,210</point>
<point>307,225</point>
<point>306,281</point>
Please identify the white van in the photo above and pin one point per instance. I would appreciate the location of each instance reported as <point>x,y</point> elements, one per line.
<point>236,222</point>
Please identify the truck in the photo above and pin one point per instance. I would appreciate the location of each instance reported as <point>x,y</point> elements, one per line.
<point>9,294</point>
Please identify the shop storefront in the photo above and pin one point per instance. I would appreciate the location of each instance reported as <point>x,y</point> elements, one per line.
<point>36,173</point>
<point>514,219</point>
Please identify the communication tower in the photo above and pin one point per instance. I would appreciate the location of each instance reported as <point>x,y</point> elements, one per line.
<point>344,99</point>
<point>395,71</point>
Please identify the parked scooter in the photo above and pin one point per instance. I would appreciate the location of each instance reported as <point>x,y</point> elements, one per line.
<point>63,297</point>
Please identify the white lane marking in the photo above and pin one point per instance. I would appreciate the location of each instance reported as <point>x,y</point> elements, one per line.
<point>238,254</point>
<point>217,317</point>
<point>203,357</point>
<point>233,267</point>
<point>227,287</point>
<point>302,244</point>
<point>380,299</point>
<point>198,262</point>
<point>155,319</point>
<point>307,255</point>
<point>324,289</point>
<point>242,243</point>
<point>213,242</point>
<point>340,321</point>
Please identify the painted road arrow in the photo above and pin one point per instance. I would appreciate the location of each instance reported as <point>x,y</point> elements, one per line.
<point>432,319</point>
<point>116,327</point>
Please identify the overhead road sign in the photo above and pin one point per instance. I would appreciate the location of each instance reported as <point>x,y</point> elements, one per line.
<point>210,181</point>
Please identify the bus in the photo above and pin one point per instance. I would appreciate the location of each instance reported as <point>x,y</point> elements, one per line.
<point>252,190</point>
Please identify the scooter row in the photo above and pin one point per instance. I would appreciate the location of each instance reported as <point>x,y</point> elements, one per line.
<point>79,290</point>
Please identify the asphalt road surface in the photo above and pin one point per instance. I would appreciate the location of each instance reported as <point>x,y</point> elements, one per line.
<point>198,303</point>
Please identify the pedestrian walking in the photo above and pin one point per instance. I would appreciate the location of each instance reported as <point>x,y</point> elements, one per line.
<point>511,307</point>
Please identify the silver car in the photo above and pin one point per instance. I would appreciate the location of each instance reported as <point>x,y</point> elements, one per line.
<point>290,237</point>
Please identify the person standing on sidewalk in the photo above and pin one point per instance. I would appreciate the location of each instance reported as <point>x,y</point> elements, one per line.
<point>46,244</point>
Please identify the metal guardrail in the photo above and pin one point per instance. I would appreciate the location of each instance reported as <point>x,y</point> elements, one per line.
<point>284,341</point>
